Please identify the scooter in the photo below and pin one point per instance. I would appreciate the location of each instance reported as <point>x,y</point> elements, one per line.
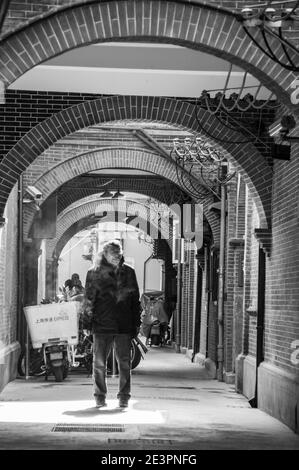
<point>56,359</point>
<point>157,334</point>
<point>53,329</point>
<point>49,359</point>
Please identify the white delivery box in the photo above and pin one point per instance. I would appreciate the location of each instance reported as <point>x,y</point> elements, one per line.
<point>53,322</point>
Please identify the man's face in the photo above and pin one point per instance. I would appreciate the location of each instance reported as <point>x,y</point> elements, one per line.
<point>113,257</point>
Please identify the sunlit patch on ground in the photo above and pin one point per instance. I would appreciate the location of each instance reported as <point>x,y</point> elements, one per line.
<point>76,412</point>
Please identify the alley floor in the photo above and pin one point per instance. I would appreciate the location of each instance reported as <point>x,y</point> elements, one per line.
<point>174,406</point>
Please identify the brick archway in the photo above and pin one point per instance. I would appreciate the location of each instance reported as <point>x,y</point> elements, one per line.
<point>195,25</point>
<point>83,209</point>
<point>111,157</point>
<point>244,156</point>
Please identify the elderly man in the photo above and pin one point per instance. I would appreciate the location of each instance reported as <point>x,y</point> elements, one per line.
<point>112,312</point>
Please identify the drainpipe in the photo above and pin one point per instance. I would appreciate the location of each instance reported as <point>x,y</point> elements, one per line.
<point>179,296</point>
<point>22,328</point>
<point>20,322</point>
<point>221,285</point>
<point>260,322</point>
<point>3,11</point>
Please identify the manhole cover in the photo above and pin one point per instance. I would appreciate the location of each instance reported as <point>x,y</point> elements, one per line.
<point>81,427</point>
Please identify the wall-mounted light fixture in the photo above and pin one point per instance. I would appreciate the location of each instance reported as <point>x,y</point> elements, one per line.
<point>271,20</point>
<point>279,130</point>
<point>283,127</point>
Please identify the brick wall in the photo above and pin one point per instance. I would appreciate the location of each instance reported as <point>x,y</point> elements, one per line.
<point>25,109</point>
<point>282,282</point>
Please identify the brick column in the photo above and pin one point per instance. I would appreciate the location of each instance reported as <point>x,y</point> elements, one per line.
<point>229,282</point>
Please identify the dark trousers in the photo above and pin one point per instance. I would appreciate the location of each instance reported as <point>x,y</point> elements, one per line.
<point>102,344</point>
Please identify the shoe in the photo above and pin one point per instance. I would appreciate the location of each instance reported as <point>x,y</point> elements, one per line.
<point>100,403</point>
<point>123,403</point>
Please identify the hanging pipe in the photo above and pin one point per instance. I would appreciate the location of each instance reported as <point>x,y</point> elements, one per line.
<point>22,327</point>
<point>3,11</point>
<point>221,285</point>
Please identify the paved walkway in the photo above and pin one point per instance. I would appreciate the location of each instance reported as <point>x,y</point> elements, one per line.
<point>173,406</point>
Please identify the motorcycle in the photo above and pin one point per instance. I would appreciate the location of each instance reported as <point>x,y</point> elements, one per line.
<point>53,331</point>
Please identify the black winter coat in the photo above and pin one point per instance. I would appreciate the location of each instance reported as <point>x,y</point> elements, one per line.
<point>111,303</point>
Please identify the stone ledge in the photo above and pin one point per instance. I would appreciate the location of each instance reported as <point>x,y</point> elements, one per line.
<point>278,392</point>
<point>208,364</point>
<point>8,363</point>
<point>249,374</point>
<point>229,377</point>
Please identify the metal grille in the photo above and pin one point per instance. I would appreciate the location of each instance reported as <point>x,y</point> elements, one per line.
<point>167,398</point>
<point>141,441</point>
<point>167,386</point>
<point>81,427</point>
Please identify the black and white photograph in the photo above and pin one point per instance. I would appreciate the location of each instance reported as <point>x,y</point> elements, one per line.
<point>149,230</point>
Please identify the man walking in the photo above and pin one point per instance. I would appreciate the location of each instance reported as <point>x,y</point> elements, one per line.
<point>112,313</point>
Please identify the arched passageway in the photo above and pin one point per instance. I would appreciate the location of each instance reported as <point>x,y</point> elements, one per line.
<point>260,198</point>
<point>138,159</point>
<point>245,157</point>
